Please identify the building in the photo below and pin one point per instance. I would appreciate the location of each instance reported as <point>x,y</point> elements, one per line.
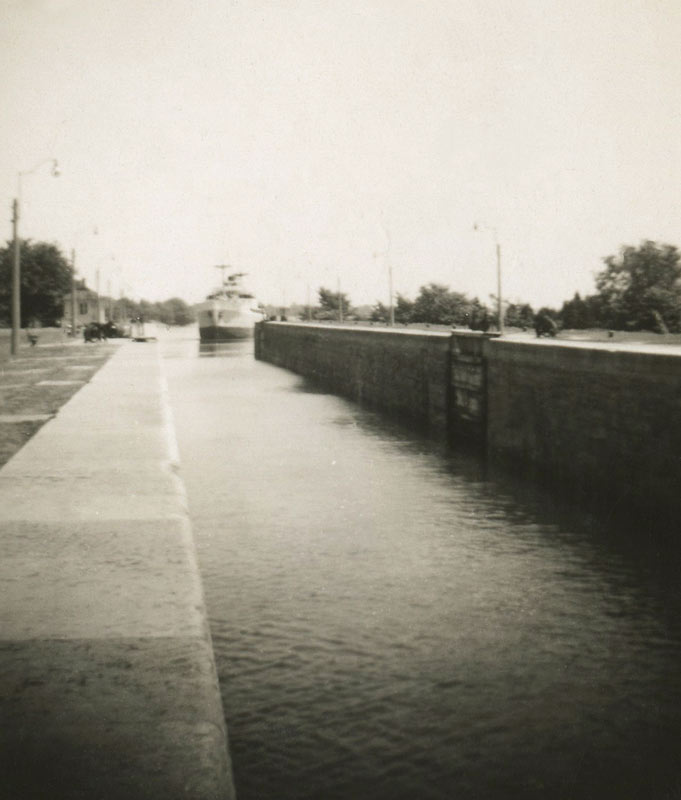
<point>89,306</point>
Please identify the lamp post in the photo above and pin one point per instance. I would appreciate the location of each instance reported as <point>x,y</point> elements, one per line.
<point>16,265</point>
<point>74,288</point>
<point>74,292</point>
<point>500,307</point>
<point>306,254</point>
<point>386,253</point>
<point>340,302</point>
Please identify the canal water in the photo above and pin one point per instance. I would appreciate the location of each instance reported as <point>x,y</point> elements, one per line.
<point>390,621</point>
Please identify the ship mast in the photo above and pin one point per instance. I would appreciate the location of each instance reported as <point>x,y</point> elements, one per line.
<point>222,267</point>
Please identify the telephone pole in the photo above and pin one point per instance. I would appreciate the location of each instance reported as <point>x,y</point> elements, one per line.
<point>16,279</point>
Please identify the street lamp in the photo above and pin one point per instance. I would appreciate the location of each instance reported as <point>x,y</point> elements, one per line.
<point>112,257</point>
<point>500,308</point>
<point>340,302</point>
<point>16,267</point>
<point>74,291</point>
<point>386,253</point>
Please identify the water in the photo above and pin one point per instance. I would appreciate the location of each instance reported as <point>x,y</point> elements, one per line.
<point>391,622</point>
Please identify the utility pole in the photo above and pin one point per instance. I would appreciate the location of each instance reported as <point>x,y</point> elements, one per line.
<point>73,292</point>
<point>16,279</point>
<point>99,299</point>
<point>340,303</point>
<point>74,280</point>
<point>390,287</point>
<point>386,253</point>
<point>500,305</point>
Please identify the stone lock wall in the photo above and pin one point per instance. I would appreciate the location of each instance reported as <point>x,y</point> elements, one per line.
<point>601,421</point>
<point>604,422</point>
<point>436,379</point>
<point>402,372</point>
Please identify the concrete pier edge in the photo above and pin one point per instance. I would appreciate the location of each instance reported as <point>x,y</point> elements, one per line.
<point>175,465</point>
<point>108,684</point>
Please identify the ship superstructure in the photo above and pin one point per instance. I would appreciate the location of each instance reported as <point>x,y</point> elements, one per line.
<point>229,312</point>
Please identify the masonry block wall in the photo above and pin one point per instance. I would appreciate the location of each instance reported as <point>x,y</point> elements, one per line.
<point>402,372</point>
<point>605,422</point>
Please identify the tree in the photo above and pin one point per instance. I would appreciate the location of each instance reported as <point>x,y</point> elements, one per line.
<point>45,280</point>
<point>478,316</point>
<point>575,313</point>
<point>404,309</point>
<point>437,305</point>
<point>329,303</point>
<point>547,312</point>
<point>380,312</point>
<point>519,315</point>
<point>175,312</point>
<point>640,289</point>
<point>147,310</point>
<point>580,313</point>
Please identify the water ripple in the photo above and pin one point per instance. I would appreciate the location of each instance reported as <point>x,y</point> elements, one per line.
<point>389,623</point>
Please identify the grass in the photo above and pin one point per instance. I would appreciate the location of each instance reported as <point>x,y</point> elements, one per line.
<point>21,392</point>
<point>630,337</point>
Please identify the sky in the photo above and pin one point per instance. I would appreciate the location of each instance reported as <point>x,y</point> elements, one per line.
<point>330,143</point>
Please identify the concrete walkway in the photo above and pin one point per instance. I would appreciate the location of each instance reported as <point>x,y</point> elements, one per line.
<point>107,680</point>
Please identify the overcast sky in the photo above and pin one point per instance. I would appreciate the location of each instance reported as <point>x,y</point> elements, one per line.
<point>311,141</point>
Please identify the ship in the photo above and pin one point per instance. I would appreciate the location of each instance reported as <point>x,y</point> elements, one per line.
<point>228,313</point>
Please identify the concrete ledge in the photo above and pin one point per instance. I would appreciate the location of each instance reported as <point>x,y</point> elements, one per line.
<point>359,329</point>
<point>110,718</point>
<point>108,686</point>
<point>569,357</point>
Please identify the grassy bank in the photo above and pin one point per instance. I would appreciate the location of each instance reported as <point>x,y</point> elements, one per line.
<point>45,336</point>
<point>36,383</point>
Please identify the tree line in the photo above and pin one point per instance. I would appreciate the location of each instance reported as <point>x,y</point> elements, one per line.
<point>46,279</point>
<point>638,289</point>
<point>173,311</point>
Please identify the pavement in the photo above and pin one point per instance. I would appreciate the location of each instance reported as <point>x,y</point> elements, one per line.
<point>108,687</point>
<point>611,345</point>
<point>626,342</point>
